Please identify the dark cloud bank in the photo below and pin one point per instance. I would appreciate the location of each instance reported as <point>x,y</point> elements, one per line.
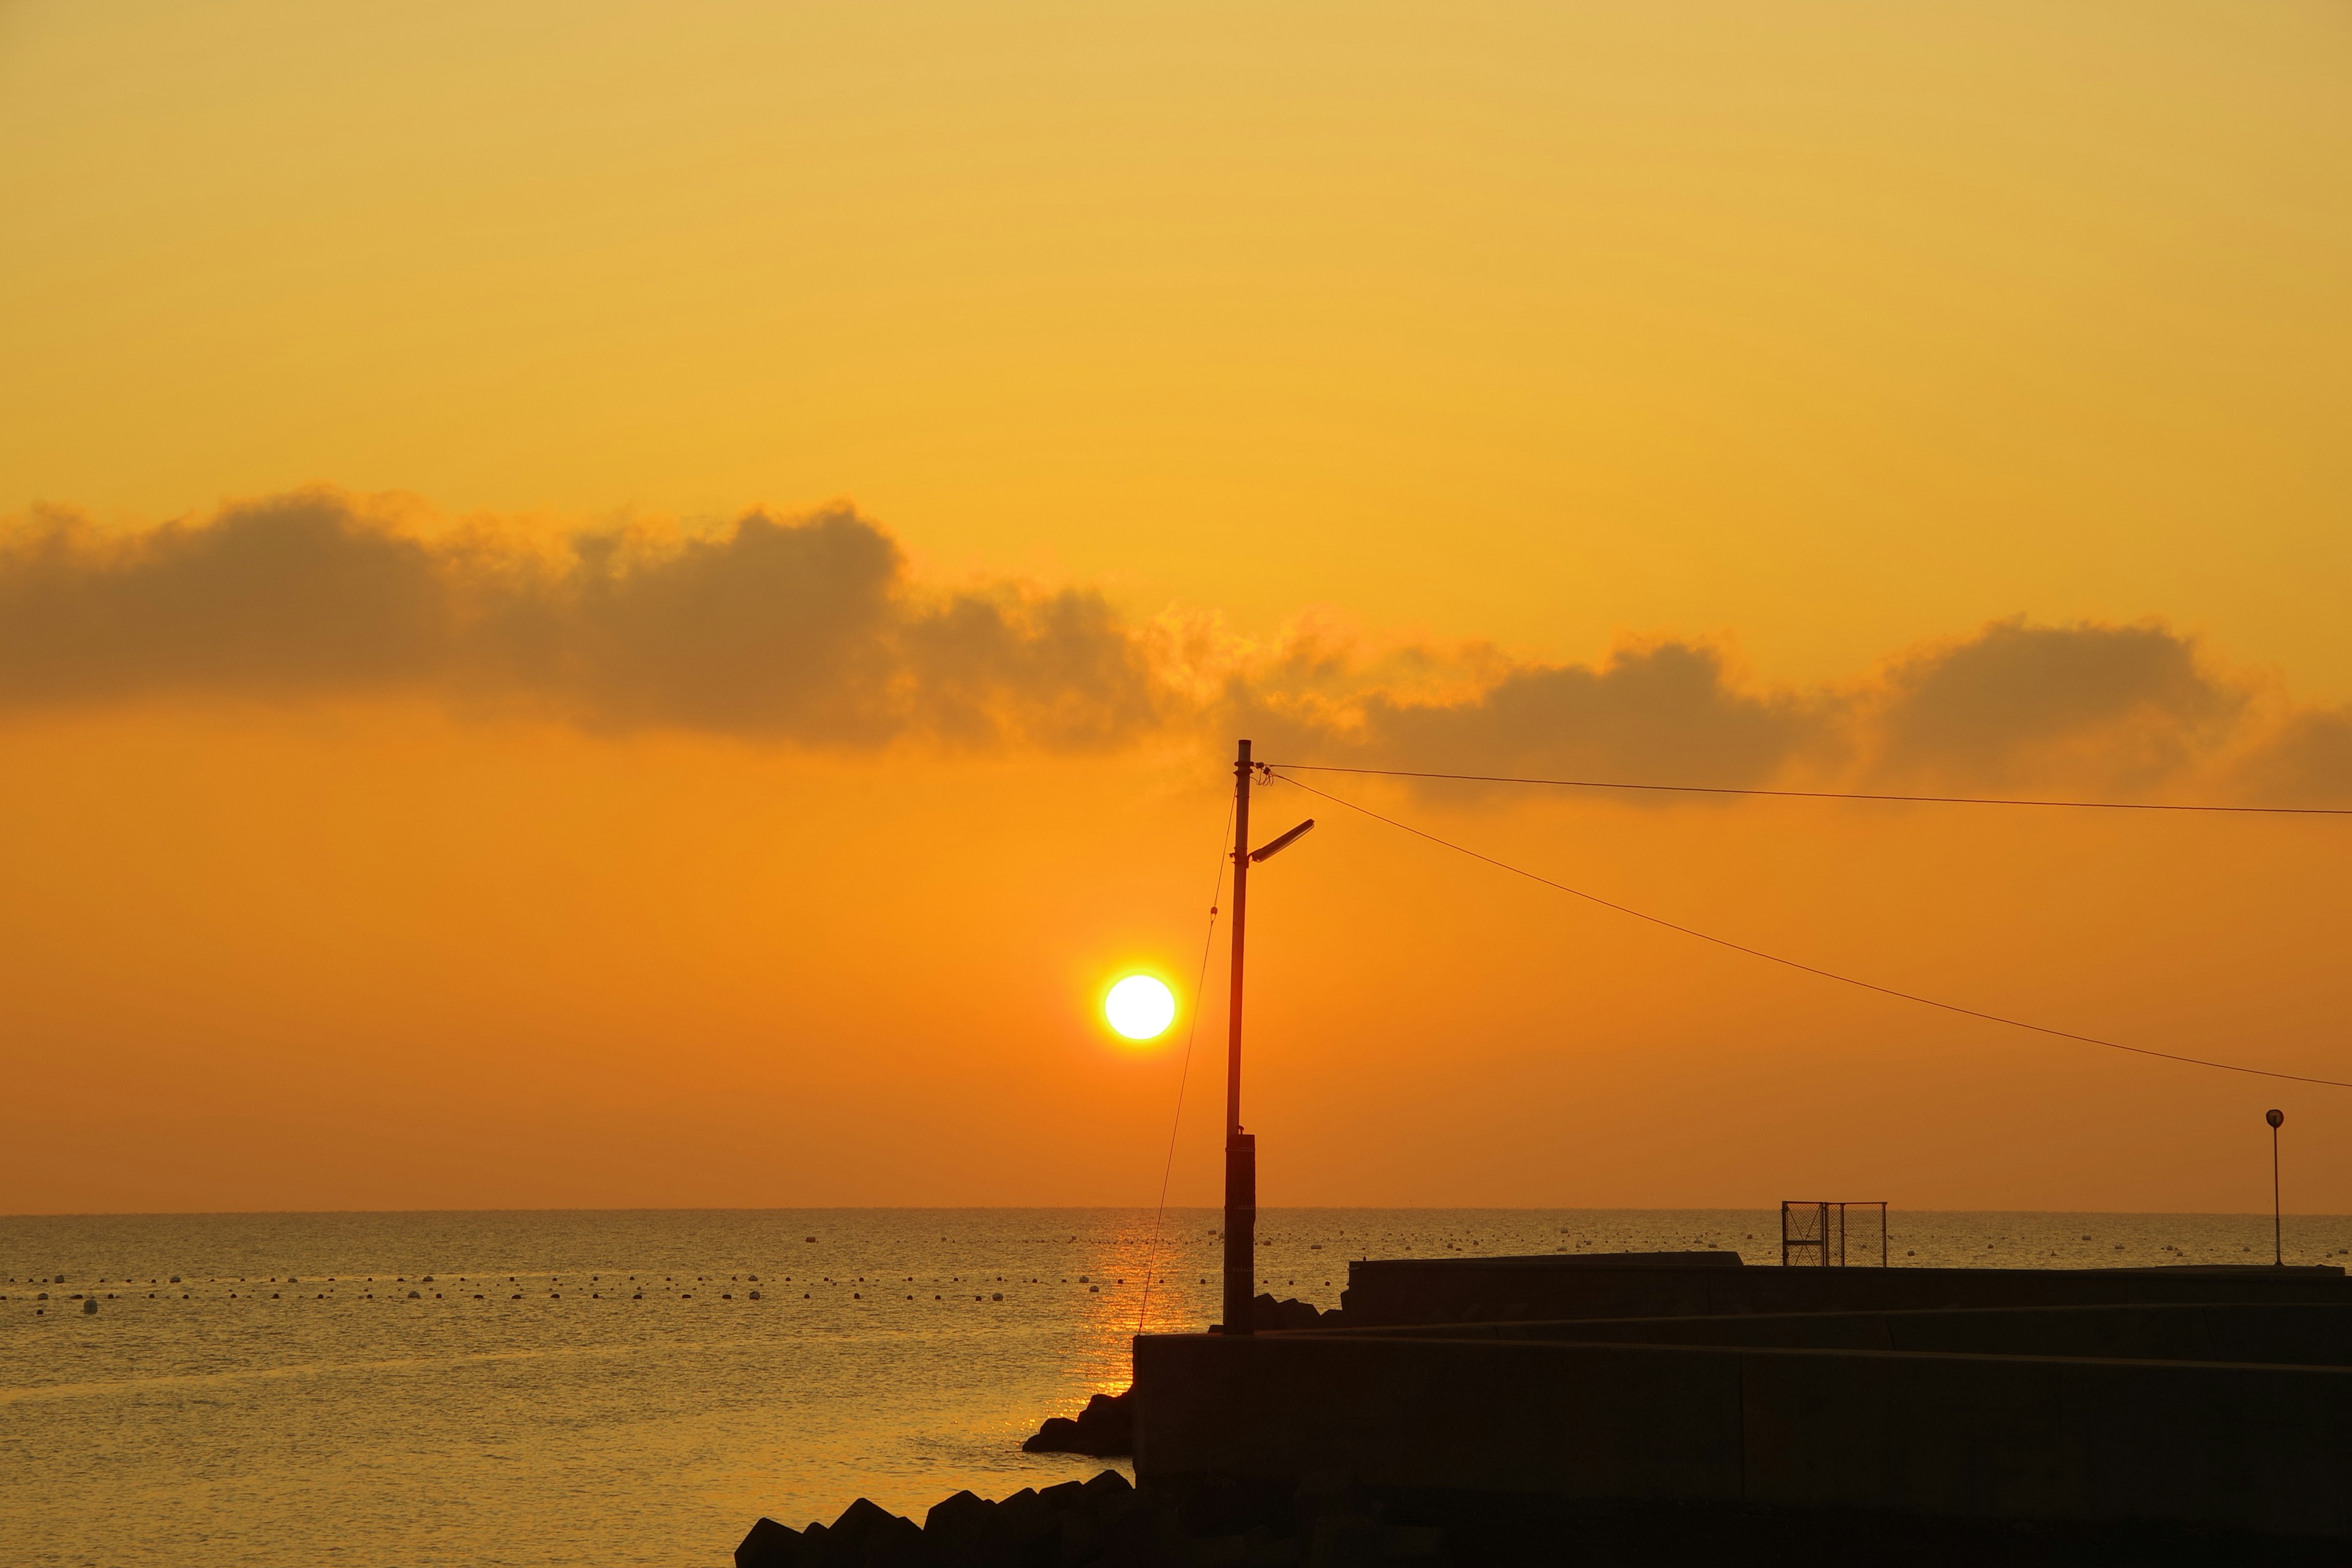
<point>808,631</point>
<point>803,630</point>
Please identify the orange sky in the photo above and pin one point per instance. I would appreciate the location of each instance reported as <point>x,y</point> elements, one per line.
<point>614,604</point>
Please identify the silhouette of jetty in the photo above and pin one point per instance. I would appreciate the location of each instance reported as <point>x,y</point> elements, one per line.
<point>1683,1409</point>
<point>2211,1399</point>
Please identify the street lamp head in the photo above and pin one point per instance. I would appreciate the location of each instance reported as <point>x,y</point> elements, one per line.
<point>2274,1117</point>
<point>1281,844</point>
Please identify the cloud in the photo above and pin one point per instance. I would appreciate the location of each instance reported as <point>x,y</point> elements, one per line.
<point>2136,710</point>
<point>2119,706</point>
<point>810,630</point>
<point>286,596</point>
<point>1666,711</point>
<point>2306,761</point>
<point>803,630</point>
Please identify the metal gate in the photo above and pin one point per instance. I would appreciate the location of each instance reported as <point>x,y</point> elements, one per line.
<point>1818,1233</point>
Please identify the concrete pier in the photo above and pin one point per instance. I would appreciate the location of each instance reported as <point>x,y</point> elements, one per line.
<point>2220,1400</point>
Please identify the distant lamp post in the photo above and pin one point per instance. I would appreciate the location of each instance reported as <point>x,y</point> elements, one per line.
<point>1241,1148</point>
<point>2278,1247</point>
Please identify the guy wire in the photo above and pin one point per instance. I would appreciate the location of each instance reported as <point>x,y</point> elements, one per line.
<point>1191,1029</point>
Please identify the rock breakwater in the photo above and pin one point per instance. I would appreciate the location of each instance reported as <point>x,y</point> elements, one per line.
<point>1101,1520</point>
<point>1104,1429</point>
<point>1326,1523</point>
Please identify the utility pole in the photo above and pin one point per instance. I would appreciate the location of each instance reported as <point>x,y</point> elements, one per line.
<point>2278,1246</point>
<point>1241,1148</point>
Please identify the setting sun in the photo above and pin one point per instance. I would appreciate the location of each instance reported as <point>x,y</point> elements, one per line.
<point>1140,1008</point>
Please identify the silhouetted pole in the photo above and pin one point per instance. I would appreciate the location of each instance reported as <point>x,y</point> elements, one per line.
<point>2278,1246</point>
<point>1241,1148</point>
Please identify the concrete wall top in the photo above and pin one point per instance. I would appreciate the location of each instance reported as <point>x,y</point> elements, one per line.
<point>1713,1257</point>
<point>1398,1291</point>
<point>2308,1333</point>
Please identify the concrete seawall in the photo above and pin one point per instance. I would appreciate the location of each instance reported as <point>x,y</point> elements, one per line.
<point>1399,1291</point>
<point>2289,1334</point>
<point>2037,1437</point>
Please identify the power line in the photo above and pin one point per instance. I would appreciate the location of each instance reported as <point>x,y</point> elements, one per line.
<point>1823,794</point>
<point>1807,968</point>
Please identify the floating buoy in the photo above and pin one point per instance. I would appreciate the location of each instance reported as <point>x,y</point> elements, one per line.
<point>90,1306</point>
<point>1000,1295</point>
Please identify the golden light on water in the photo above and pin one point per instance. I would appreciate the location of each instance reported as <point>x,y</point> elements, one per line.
<point>1140,1008</point>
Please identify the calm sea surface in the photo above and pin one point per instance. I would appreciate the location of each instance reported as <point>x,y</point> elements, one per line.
<point>537,1388</point>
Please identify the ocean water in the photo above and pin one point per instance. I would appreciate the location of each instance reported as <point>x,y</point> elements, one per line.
<point>576,1387</point>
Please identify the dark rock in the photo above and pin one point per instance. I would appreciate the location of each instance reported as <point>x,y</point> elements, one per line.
<point>899,1544</point>
<point>1108,1490</point>
<point>1268,1314</point>
<point>770,1545</point>
<point>1081,1542</point>
<point>959,1523</point>
<point>1130,1534</point>
<point>1104,1428</point>
<point>1059,1434</point>
<point>1022,1522</point>
<point>1067,1496</point>
<point>867,1535</point>
<point>860,1517</point>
